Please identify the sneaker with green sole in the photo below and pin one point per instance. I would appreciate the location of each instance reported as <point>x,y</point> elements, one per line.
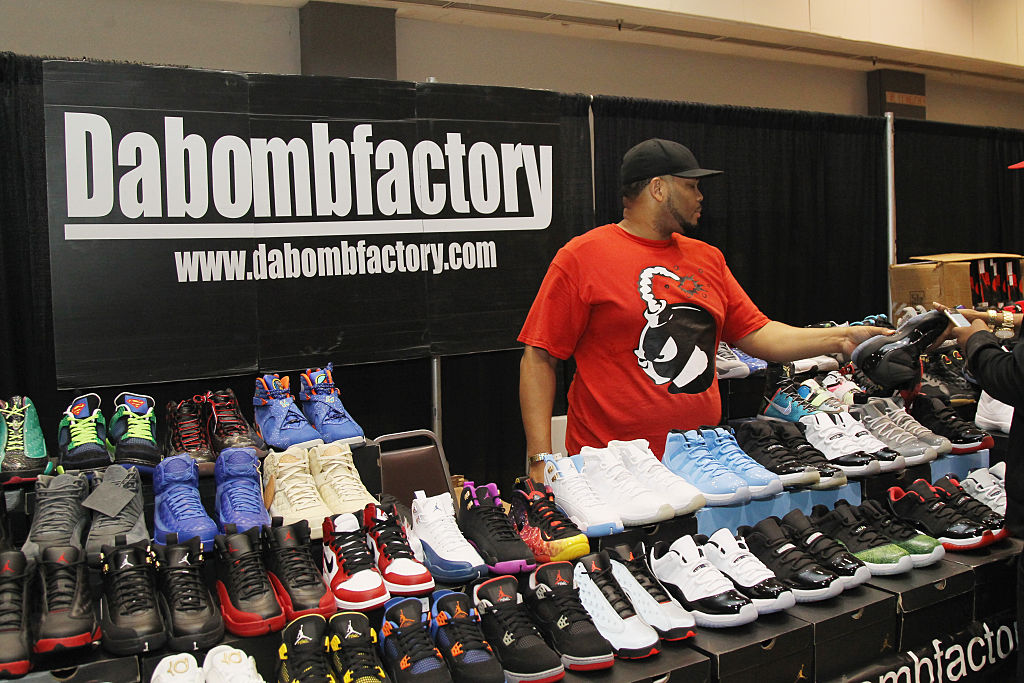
<point>924,550</point>
<point>22,446</point>
<point>131,437</point>
<point>81,435</point>
<point>844,524</point>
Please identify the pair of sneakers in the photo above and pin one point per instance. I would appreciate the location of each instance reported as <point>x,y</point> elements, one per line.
<point>319,414</point>
<point>343,648</point>
<point>849,445</point>
<point>711,459</point>
<point>87,441</point>
<point>222,664</point>
<point>988,485</point>
<point>204,425</point>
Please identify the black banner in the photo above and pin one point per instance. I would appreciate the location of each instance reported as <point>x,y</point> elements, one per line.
<point>204,223</point>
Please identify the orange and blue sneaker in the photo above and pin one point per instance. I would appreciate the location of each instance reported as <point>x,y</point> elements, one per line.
<point>409,653</point>
<point>455,626</point>
<point>279,421</point>
<point>546,530</point>
<point>320,401</point>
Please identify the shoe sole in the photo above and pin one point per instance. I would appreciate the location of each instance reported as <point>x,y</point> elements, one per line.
<point>923,560</point>
<point>957,544</point>
<point>19,668</point>
<point>509,567</point>
<point>196,641</point>
<point>897,464</point>
<point>398,589</point>
<point>740,495</point>
<point>747,614</point>
<point>134,646</point>
<point>901,566</point>
<point>246,628</point>
<point>829,483</point>
<point>66,643</point>
<point>638,653</point>
<point>765,491</point>
<point>784,601</point>
<point>579,547</point>
<point>325,607</point>
<point>456,575</point>
<point>554,674</point>
<point>365,606</point>
<point>806,478</point>
<point>961,449</point>
<point>595,663</point>
<point>921,459</point>
<point>862,575</point>
<point>665,512</point>
<point>817,594</point>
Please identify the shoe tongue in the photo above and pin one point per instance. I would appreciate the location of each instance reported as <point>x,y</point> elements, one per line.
<point>500,591</point>
<point>408,612</point>
<point>687,548</point>
<point>183,554</point>
<point>554,574</point>
<point>240,461</point>
<point>84,406</point>
<point>846,514</point>
<point>124,557</point>
<point>458,605</point>
<point>304,632</point>
<point>770,529</point>
<point>921,488</point>
<point>276,386</point>
<point>238,544</point>
<point>177,469</point>
<point>798,520</point>
<point>347,522</point>
<point>61,554</point>
<point>487,494</point>
<point>136,403</point>
<point>622,552</point>
<point>723,538</point>
<point>351,626</point>
<point>11,562</point>
<point>291,536</point>
<point>946,485</point>
<point>377,513</point>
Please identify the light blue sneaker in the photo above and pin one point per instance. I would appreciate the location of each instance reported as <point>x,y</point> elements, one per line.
<point>320,401</point>
<point>177,508</point>
<point>722,444</point>
<point>278,420</point>
<point>687,455</point>
<point>787,405</point>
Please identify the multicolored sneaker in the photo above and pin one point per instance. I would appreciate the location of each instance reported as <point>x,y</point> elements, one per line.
<point>455,628</point>
<point>353,649</point>
<point>278,420</point>
<point>320,401</point>
<point>786,404</point>
<point>844,524</point>
<point>484,523</point>
<point>409,654</point>
<point>303,652</point>
<point>22,447</point>
<point>227,426</point>
<point>548,532</point>
<point>186,432</point>
<point>82,435</point>
<point>131,435</point>
<point>924,550</point>
<point>443,548</point>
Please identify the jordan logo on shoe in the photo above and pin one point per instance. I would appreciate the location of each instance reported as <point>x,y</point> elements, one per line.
<point>125,563</point>
<point>502,596</point>
<point>559,581</point>
<point>301,637</point>
<point>351,632</point>
<point>184,560</point>
<point>594,567</point>
<point>7,566</point>
<point>404,620</point>
<point>459,612</point>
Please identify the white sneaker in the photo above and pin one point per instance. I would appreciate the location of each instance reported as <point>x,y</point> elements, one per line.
<point>819,398</point>
<point>993,415</point>
<point>445,551</point>
<point>889,460</point>
<point>638,458</point>
<point>983,486</point>
<point>577,500</point>
<point>226,664</point>
<point>903,419</point>
<point>730,555</point>
<point>649,598</point>
<point>878,422</point>
<point>179,668</point>
<point>608,605</point>
<point>292,493</point>
<point>337,479</point>
<point>829,438</point>
<point>634,502</point>
<point>698,586</point>
<point>728,365</point>
<point>349,567</point>
<point>815,364</point>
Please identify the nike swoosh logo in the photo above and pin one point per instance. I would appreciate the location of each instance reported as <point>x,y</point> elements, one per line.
<point>785,411</point>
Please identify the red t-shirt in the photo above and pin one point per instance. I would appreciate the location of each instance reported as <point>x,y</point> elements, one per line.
<point>643,319</point>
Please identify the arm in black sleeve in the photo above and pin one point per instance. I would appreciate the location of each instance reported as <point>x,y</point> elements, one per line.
<point>999,373</point>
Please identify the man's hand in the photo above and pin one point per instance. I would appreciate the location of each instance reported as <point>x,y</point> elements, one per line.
<point>858,334</point>
<point>978,320</point>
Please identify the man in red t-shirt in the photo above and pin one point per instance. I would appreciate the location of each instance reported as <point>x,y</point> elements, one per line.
<point>641,308</point>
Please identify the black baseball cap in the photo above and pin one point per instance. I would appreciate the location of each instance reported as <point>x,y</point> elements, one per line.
<point>657,157</point>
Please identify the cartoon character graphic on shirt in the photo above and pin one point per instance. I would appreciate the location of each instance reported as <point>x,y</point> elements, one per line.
<point>677,345</point>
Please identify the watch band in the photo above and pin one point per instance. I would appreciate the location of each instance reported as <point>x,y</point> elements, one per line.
<point>993,318</point>
<point>538,457</point>
<point>1008,319</point>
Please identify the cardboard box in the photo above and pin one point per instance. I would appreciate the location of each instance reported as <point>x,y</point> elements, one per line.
<point>947,278</point>
<point>776,647</point>
<point>83,665</point>
<point>675,661</point>
<point>995,576</point>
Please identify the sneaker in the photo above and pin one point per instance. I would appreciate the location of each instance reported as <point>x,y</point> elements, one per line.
<point>548,532</point>
<point>484,523</point>
<point>786,404</point>
<point>794,567</point>
<point>193,619</point>
<point>892,361</point>
<point>700,588</point>
<point>941,368</point>
<point>819,398</point>
<point>954,496</point>
<point>881,426</point>
<point>130,521</point>
<point>843,389</point>
<point>889,460</point>
<point>279,421</point>
<point>226,664</point>
<point>403,573</point>
<point>567,627</point>
<point>15,606</point>
<point>907,423</point>
<point>320,402</point>
<point>609,606</point>
<point>337,478</point>
<point>409,654</point>
<point>131,432</point>
<point>730,555</point>
<point>507,626</point>
<point>638,458</point>
<point>247,598</point>
<point>66,619</point>
<point>756,365</point>
<point>993,415</point>
<point>934,414</point>
<point>648,597</point>
<point>455,628</point>
<point>177,507</point>
<point>824,550</point>
<point>984,487</point>
<point>22,446</point>
<point>58,518</point>
<point>758,440</point>
<point>82,435</point>
<point>186,431</point>
<point>615,485</point>
<point>303,651</point>
<point>226,425</point>
<point>577,499</point>
<point>823,433</point>
<point>815,364</point>
<point>923,549</point>
<point>446,552</point>
<point>178,668</point>
<point>791,435</point>
<point>728,365</point>
<point>293,572</point>
<point>687,455</point>
<point>239,496</point>
<point>349,568</point>
<point>289,487</point>
<point>130,618</point>
<point>761,482</point>
<point>353,646</point>
<point>844,524</point>
<point>921,506</point>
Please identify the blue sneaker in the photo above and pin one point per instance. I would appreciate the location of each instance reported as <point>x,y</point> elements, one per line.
<point>239,499</point>
<point>178,508</point>
<point>406,644</point>
<point>756,365</point>
<point>455,627</point>
<point>722,444</point>
<point>278,420</point>
<point>687,455</point>
<point>320,401</point>
<point>787,405</point>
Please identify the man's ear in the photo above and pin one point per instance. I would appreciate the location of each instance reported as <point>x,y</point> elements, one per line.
<point>657,188</point>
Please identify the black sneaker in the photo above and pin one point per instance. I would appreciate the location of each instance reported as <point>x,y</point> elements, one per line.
<point>844,524</point>
<point>942,377</point>
<point>954,496</point>
<point>247,600</point>
<point>792,437</point>
<point>186,431</point>
<point>292,571</point>
<point>549,533</point>
<point>483,522</point>
<point>455,627</point>
<point>565,624</point>
<point>58,517</point>
<point>66,618</point>
<point>825,550</point>
<point>226,425</point>
<point>759,441</point>
<point>922,507</point>
<point>924,550</point>
<point>353,647</point>
<point>15,603</point>
<point>130,521</point>
<point>934,414</point>
<point>893,361</point>
<point>409,654</point>
<point>507,626</point>
<point>809,581</point>
<point>131,432</point>
<point>130,618</point>
<point>193,618</point>
<point>303,652</point>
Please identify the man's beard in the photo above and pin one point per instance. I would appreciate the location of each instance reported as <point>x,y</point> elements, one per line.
<point>685,226</point>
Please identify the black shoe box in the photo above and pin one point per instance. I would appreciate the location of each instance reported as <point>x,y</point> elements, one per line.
<point>741,397</point>
<point>667,531</point>
<point>995,576</point>
<point>675,662</point>
<point>930,600</point>
<point>876,487</point>
<point>851,630</point>
<point>263,649</point>
<point>81,665</point>
<point>775,648</point>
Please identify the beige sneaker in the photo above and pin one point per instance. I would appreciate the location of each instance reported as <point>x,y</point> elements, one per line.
<point>337,479</point>
<point>289,489</point>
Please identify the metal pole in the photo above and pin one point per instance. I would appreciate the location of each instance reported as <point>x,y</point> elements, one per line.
<point>435,395</point>
<point>890,200</point>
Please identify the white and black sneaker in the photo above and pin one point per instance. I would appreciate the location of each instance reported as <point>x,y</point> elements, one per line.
<point>889,459</point>
<point>824,434</point>
<point>825,550</point>
<point>613,614</point>
<point>649,598</point>
<point>809,581</point>
<point>700,588</point>
<point>748,574</point>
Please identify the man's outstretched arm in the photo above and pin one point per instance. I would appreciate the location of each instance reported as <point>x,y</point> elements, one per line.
<point>536,400</point>
<point>781,343</point>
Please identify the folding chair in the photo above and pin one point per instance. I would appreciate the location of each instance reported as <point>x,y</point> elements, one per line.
<point>417,466</point>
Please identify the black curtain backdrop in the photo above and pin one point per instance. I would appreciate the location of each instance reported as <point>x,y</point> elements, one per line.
<point>799,212</point>
<point>953,190</point>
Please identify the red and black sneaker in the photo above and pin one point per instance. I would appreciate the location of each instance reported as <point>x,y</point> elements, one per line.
<point>940,418</point>
<point>67,619</point>
<point>549,533</point>
<point>247,600</point>
<point>186,432</point>
<point>953,495</point>
<point>403,573</point>
<point>14,614</point>
<point>292,571</point>
<point>922,507</point>
<point>226,425</point>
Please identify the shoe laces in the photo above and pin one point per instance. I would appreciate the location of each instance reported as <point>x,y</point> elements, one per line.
<point>964,503</point>
<point>55,509</point>
<point>823,546</point>
<point>226,415</point>
<point>734,455</point>
<point>626,485</point>
<point>184,502</point>
<point>612,592</point>
<point>15,417</point>
<point>294,479</point>
<point>297,565</point>
<point>888,524</point>
<point>342,476</point>
<point>515,618</point>
<point>414,642</point>
<point>466,630</point>
<point>184,587</point>
<point>794,558</point>
<point>391,541</point>
<point>350,549</point>
<point>643,575</point>
<point>578,489</point>
<point>543,514</point>
<point>131,590</point>
<point>443,531</point>
<point>307,663</point>
<point>357,656</point>
<point>567,600</point>
<point>499,526</point>
<point>190,434</point>
<point>83,430</point>
<point>11,598</point>
<point>61,581</point>
<point>248,574</point>
<point>241,499</point>
<point>138,425</point>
